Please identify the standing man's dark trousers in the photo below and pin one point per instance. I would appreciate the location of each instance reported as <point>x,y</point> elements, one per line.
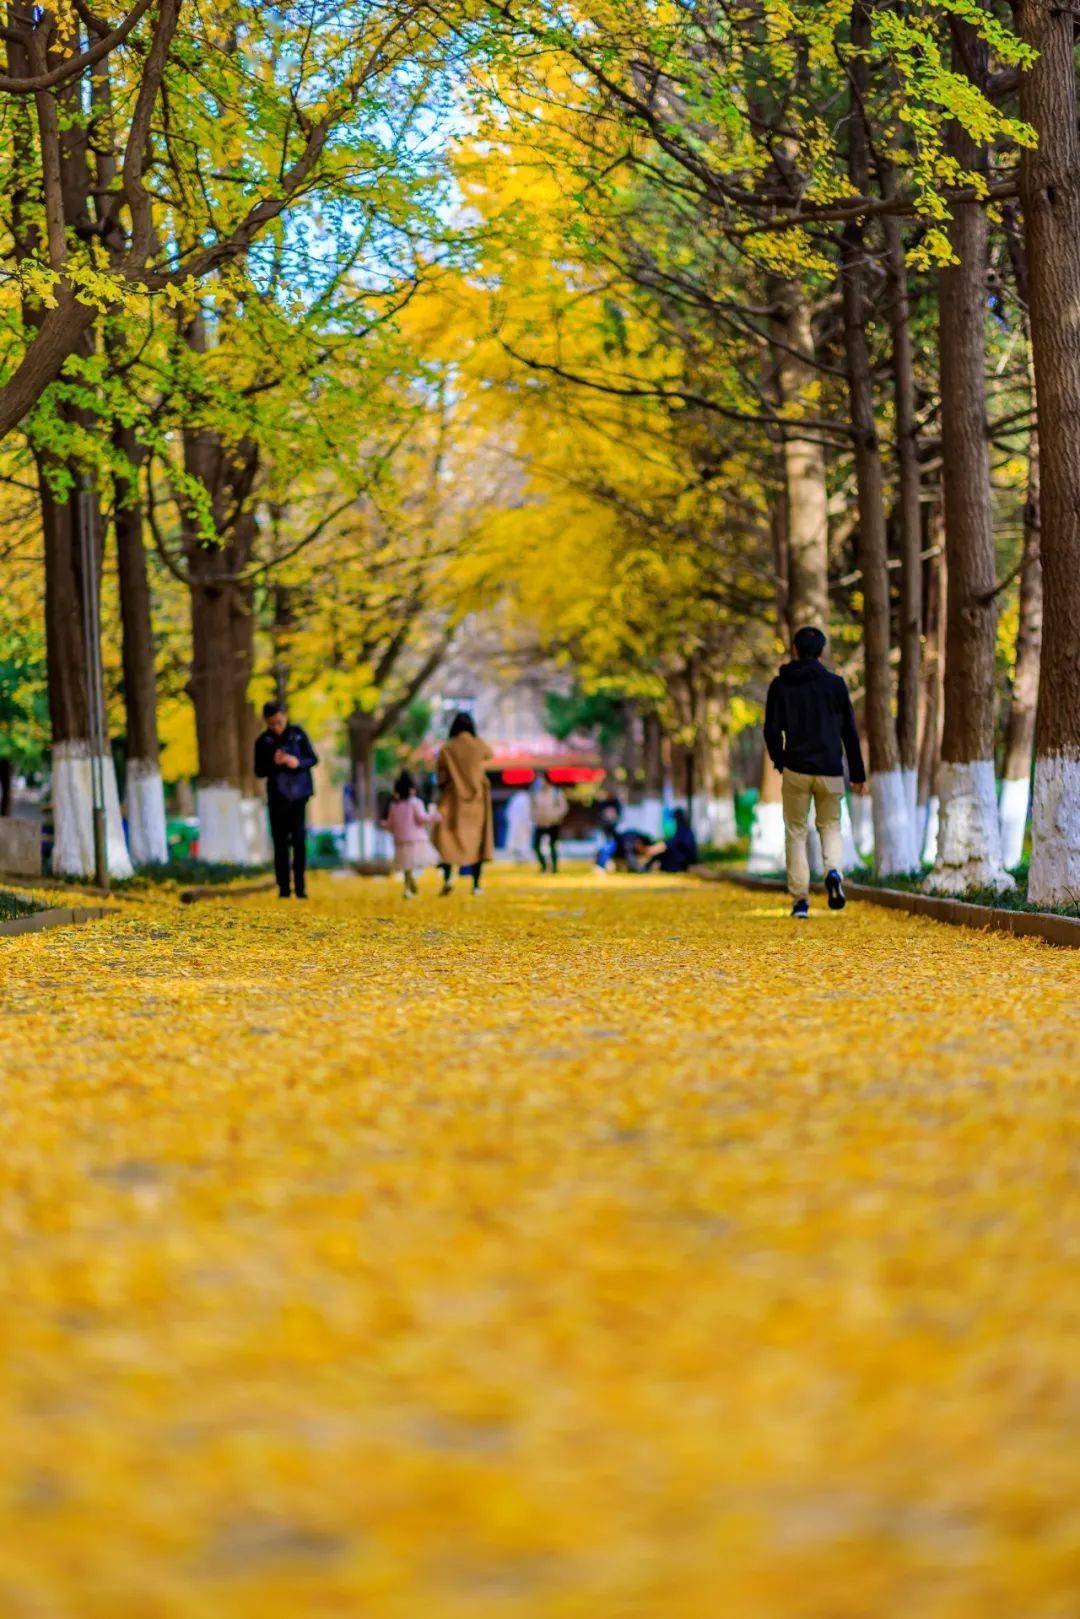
<point>288,828</point>
<point>552,835</point>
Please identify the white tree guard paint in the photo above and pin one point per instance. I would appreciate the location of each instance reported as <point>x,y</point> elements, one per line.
<point>910,779</point>
<point>814,854</point>
<point>221,825</point>
<point>648,816</point>
<point>256,828</point>
<point>715,818</point>
<point>1054,878</point>
<point>894,840</point>
<point>145,797</point>
<point>73,816</point>
<point>931,821</point>
<point>969,837</point>
<point>862,828</point>
<point>767,839</point>
<point>367,841</point>
<point>1013,814</point>
<point>519,827</point>
<point>847,837</point>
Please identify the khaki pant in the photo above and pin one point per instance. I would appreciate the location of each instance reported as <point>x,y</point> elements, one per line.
<point>827,793</point>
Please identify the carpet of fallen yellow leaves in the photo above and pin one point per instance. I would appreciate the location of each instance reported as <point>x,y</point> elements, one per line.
<point>587,1251</point>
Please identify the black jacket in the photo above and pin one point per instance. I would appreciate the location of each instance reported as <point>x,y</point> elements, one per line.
<point>810,724</point>
<point>282,781</point>
<point>680,852</point>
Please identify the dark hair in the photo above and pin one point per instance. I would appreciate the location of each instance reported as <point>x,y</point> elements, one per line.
<point>463,722</point>
<point>271,708</point>
<point>404,785</point>
<point>682,818</point>
<point>809,642</point>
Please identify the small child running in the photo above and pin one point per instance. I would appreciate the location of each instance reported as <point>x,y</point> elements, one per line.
<point>407,821</point>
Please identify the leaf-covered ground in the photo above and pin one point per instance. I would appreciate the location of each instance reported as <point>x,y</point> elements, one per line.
<point>588,1251</point>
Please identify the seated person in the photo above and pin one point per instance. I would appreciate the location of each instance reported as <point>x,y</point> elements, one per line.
<point>627,849</point>
<point>679,852</point>
<point>610,811</point>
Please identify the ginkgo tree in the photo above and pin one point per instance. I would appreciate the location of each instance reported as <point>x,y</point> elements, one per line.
<point>142,159</point>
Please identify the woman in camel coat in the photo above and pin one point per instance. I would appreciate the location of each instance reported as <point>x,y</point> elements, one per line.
<point>464,835</point>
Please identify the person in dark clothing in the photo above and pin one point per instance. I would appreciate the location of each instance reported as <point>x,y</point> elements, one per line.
<point>611,847</point>
<point>810,731</point>
<point>284,759</point>
<point>680,851</point>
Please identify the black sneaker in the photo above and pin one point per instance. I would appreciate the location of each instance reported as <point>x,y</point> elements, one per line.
<point>834,887</point>
<point>801,910</point>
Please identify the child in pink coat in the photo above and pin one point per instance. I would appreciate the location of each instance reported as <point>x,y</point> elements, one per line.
<point>407,821</point>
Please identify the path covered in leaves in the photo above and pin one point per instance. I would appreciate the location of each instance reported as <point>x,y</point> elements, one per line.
<point>588,1250</point>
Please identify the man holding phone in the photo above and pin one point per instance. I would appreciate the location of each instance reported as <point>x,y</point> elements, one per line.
<point>284,759</point>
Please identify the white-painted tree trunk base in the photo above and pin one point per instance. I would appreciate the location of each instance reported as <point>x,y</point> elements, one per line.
<point>894,832</point>
<point>910,778</point>
<point>519,828</point>
<point>366,840</point>
<point>648,816</point>
<point>715,821</point>
<point>73,814</point>
<point>1054,878</point>
<point>145,797</point>
<point>814,853</point>
<point>221,824</point>
<point>969,836</point>
<point>930,823</point>
<point>258,847</point>
<point>767,839</point>
<point>847,838</point>
<point>862,828</point>
<point>1012,816</point>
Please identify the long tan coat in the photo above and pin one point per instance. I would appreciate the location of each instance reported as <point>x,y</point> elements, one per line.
<point>465,832</point>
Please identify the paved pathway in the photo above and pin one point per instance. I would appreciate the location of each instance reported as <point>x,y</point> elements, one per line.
<point>587,1251</point>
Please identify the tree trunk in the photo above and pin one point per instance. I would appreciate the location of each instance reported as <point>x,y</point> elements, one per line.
<point>716,800</point>
<point>893,838</point>
<point>5,787</point>
<point>800,509</point>
<point>778,532</point>
<point>221,642</point>
<point>651,809</point>
<point>144,793</point>
<point>363,731</point>
<point>969,841</point>
<point>931,701</point>
<point>1023,701</point>
<point>909,515</point>
<point>253,812</point>
<point>213,696</point>
<point>807,512</point>
<point>1050,191</point>
<point>67,663</point>
<point>767,833</point>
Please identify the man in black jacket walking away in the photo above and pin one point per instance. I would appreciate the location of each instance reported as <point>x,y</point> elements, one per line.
<point>809,730</point>
<point>284,758</point>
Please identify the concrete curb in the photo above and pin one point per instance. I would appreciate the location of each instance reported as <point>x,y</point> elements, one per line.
<point>1063,931</point>
<point>22,879</point>
<point>63,917</point>
<point>189,896</point>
